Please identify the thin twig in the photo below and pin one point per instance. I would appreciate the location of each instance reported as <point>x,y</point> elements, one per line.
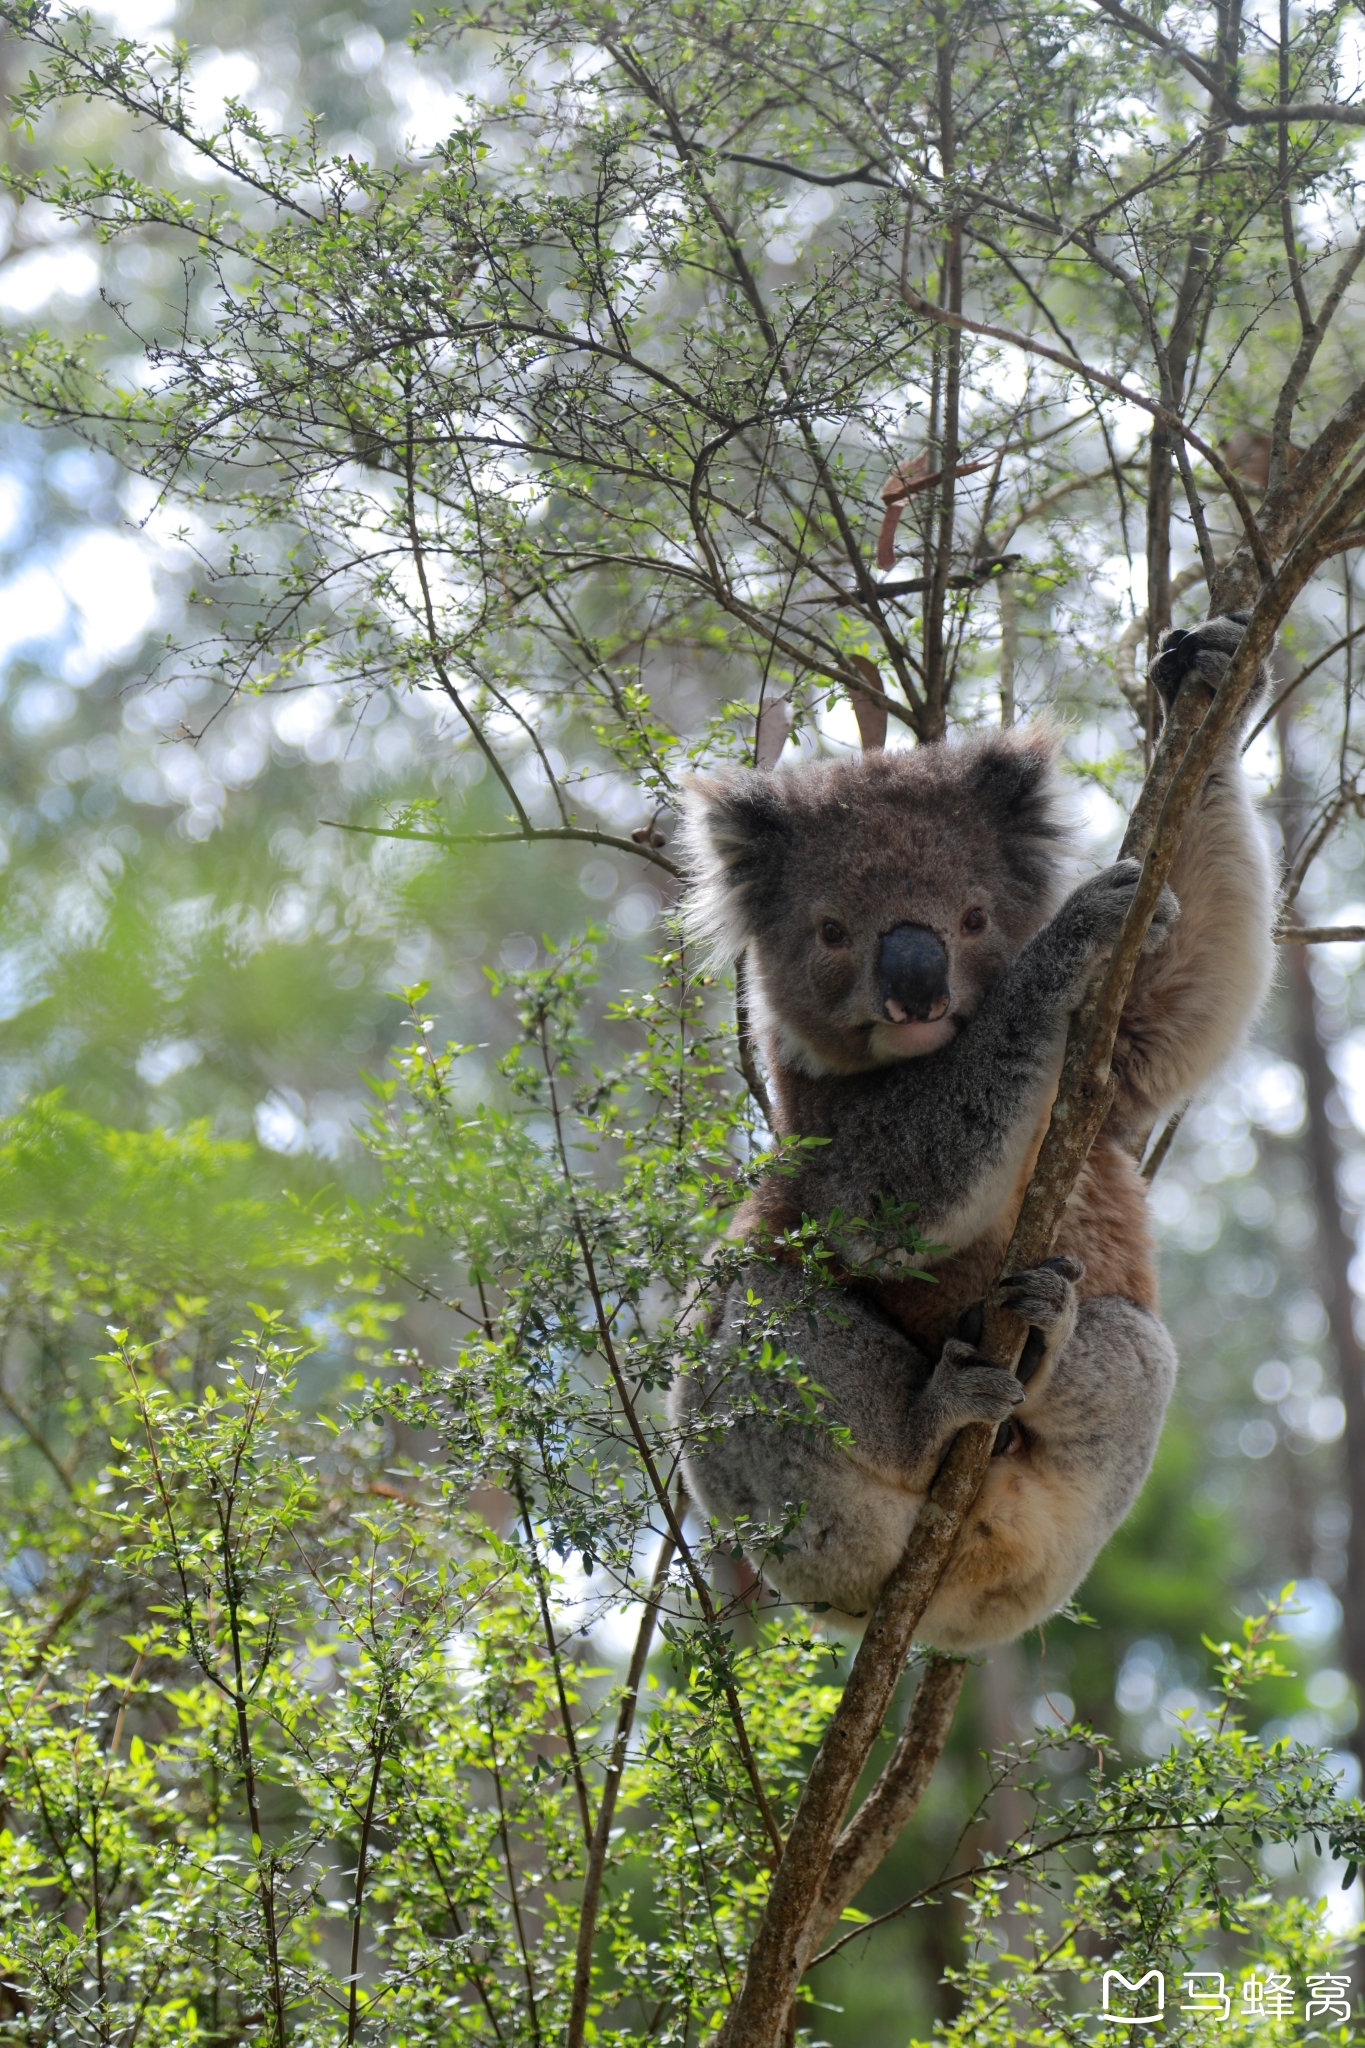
<point>453,1910</point>
<point>586,833</point>
<point>1267,717</point>
<point>358,1897</point>
<point>911,586</point>
<point>419,563</point>
<point>1152,1164</point>
<point>748,1060</point>
<point>555,1649</point>
<point>1196,509</point>
<point>1348,112</point>
<point>672,1519</point>
<point>1308,853</point>
<point>925,307</point>
<point>515,1895</point>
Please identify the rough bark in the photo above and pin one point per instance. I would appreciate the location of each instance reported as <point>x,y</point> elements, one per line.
<point>875,1827</point>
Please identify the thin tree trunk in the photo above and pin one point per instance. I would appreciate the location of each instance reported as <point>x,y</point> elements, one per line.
<point>1001,1685</point>
<point>937,680</point>
<point>1180,347</point>
<point>1336,1249</point>
<point>1190,740</point>
<point>1158,537</point>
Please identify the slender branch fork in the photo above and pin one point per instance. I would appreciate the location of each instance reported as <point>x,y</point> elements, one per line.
<point>531,836</point>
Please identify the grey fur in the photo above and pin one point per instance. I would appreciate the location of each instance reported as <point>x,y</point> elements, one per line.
<point>941,1116</point>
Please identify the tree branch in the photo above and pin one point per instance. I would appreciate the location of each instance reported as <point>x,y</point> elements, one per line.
<point>554,1649</point>
<point>1309,343</point>
<point>972,579</point>
<point>878,1822</point>
<point>748,1061</point>
<point>1229,106</point>
<point>1090,375</point>
<point>1268,717</point>
<point>1152,1164</point>
<point>865,174</point>
<point>587,833</point>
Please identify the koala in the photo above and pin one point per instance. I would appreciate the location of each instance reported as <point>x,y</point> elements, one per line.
<point>914,958</point>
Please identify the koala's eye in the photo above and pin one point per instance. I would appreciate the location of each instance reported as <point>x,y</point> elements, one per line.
<point>833,934</point>
<point>974,920</point>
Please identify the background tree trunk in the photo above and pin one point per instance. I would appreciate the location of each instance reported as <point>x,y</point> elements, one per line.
<point>1335,1238</point>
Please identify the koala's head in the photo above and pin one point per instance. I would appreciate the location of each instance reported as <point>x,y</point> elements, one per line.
<point>876,900</point>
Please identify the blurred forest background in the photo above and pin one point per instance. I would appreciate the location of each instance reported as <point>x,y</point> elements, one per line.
<point>192,945</point>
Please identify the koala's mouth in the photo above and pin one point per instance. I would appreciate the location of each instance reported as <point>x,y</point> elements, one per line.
<point>913,1037</point>
<point>900,1015</point>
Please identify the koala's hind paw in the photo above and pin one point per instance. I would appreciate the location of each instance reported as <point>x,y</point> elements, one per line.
<point>1045,1295</point>
<point>971,1388</point>
<point>1204,652</point>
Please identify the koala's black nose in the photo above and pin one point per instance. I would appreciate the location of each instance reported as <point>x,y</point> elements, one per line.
<point>914,974</point>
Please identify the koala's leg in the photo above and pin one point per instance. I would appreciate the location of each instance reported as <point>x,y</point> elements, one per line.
<point>1193,1002</point>
<point>836,1513</point>
<point>1081,1446</point>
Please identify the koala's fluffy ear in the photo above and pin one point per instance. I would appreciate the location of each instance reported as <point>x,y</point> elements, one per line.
<point>1016,779</point>
<point>734,839</point>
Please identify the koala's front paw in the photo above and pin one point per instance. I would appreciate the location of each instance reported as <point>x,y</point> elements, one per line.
<point>1203,652</point>
<point>971,1388</point>
<point>1100,905</point>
